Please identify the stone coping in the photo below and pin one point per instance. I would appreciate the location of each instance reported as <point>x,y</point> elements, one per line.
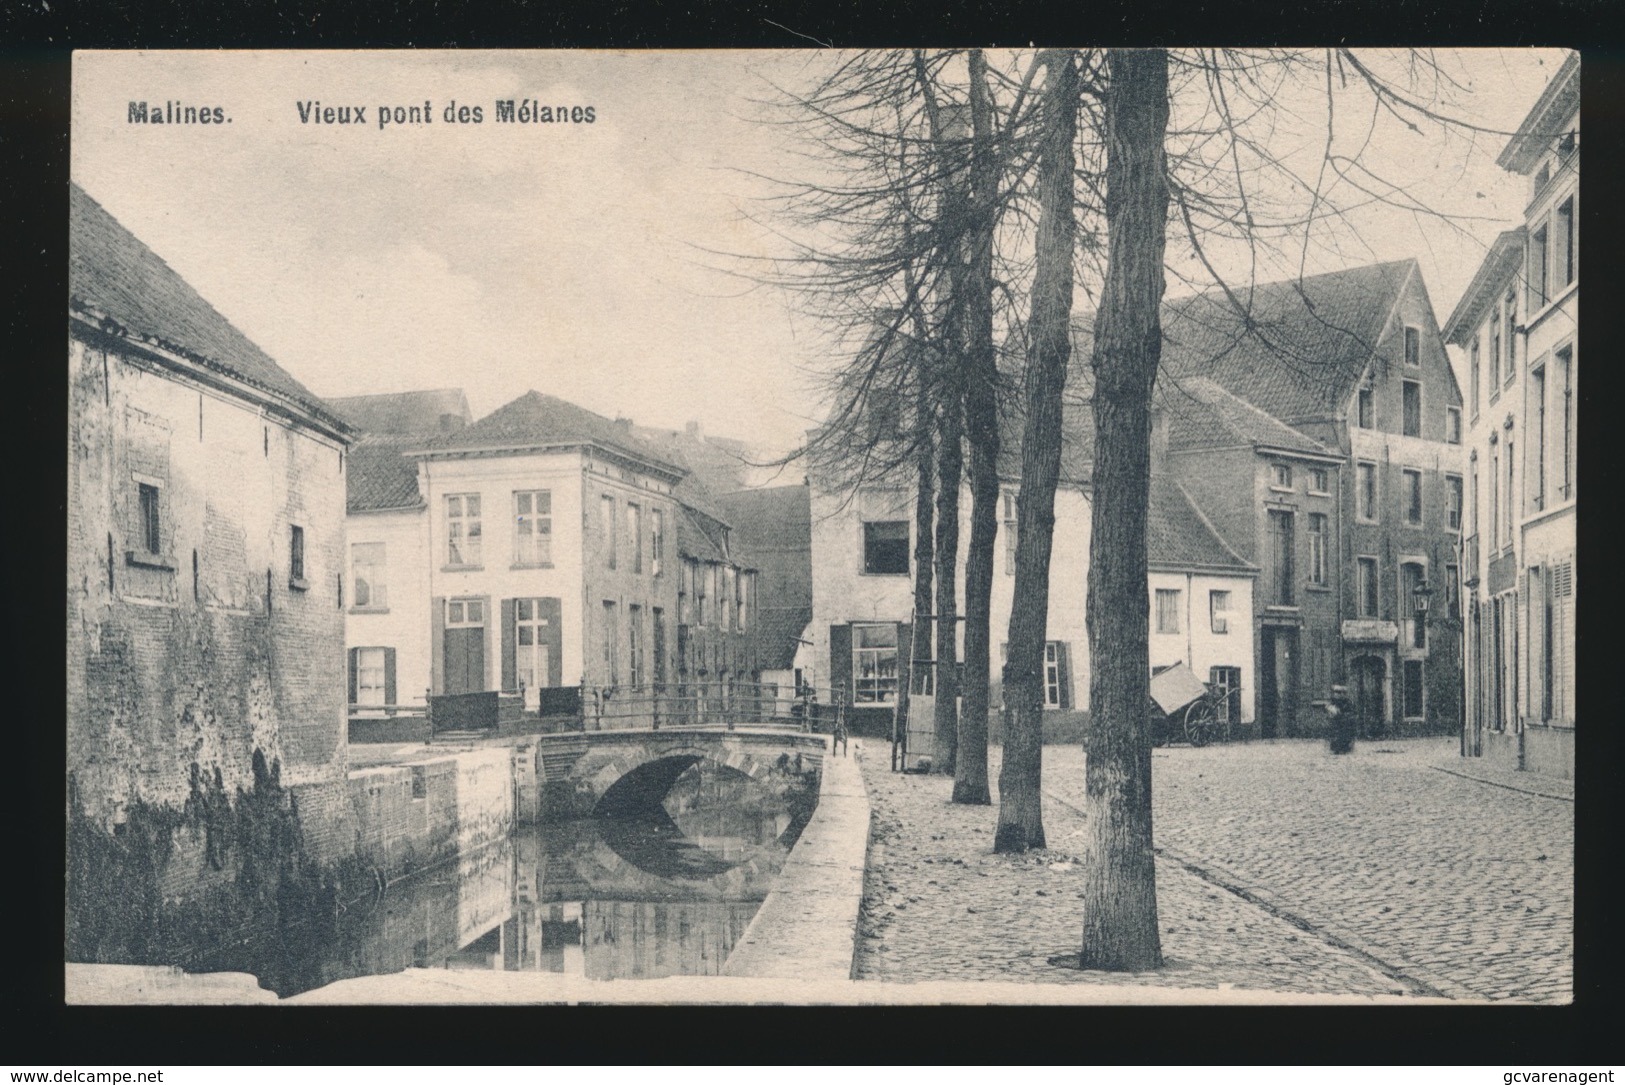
<point>807,926</point>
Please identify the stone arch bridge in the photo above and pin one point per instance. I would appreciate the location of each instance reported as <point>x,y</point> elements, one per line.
<point>583,773</point>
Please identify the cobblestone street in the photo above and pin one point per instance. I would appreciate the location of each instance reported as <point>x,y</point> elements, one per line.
<point>1282,868</point>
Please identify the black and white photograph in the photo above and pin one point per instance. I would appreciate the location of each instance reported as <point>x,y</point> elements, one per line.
<point>891,527</point>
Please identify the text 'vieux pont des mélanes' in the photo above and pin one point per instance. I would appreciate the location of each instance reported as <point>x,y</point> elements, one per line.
<point>316,112</point>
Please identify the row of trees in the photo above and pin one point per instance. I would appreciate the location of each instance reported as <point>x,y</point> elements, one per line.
<point>965,201</point>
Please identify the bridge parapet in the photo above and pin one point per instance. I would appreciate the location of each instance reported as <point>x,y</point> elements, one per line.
<point>576,770</point>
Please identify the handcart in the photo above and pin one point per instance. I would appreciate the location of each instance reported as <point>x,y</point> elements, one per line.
<point>1185,707</point>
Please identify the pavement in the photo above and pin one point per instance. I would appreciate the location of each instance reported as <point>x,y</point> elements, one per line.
<point>1394,869</point>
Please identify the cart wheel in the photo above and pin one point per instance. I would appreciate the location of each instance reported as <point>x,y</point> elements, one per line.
<point>1200,723</point>
<point>1159,725</point>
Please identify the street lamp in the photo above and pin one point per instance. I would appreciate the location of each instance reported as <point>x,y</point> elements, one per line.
<point>1419,597</point>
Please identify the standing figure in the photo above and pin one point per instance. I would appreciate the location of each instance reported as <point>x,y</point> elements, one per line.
<point>1341,712</point>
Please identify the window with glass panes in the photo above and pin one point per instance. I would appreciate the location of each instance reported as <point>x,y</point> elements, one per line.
<point>532,665</point>
<point>368,575</point>
<point>1452,499</point>
<point>874,663</point>
<point>1411,481</point>
<point>1317,548</point>
<point>1366,587</point>
<point>1009,502</point>
<point>1411,397</point>
<point>463,536</point>
<point>369,676</point>
<point>1365,478</point>
<point>533,527</point>
<point>634,646</point>
<point>1218,606</point>
<point>1167,610</point>
<point>1054,678</point>
<point>634,534</point>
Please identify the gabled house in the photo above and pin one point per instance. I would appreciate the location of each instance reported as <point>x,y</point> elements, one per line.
<point>550,560</point>
<point>1517,326</point>
<point>540,547</point>
<point>1352,360</point>
<point>206,568</point>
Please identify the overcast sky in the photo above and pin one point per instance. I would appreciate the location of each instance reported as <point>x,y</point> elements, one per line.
<point>568,257</point>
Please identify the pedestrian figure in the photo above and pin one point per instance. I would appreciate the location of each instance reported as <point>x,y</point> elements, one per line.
<point>838,733</point>
<point>1341,723</point>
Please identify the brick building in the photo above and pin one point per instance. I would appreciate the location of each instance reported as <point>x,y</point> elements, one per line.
<point>1352,361</point>
<point>205,543</point>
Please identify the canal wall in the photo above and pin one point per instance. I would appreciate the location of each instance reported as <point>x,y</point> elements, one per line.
<point>807,927</point>
<point>174,882</point>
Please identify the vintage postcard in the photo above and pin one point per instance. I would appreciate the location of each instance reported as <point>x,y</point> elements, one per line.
<point>916,526</point>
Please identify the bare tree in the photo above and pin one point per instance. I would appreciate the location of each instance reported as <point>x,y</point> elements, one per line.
<point>1020,822</point>
<point>1120,878</point>
<point>981,390</point>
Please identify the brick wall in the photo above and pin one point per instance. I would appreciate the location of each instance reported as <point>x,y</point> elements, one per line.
<point>199,659</point>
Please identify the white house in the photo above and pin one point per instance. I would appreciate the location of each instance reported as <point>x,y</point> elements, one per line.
<point>862,565</point>
<point>1517,330</point>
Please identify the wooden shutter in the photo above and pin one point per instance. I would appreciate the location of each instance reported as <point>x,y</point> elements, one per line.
<point>437,643</point>
<point>353,653</point>
<point>552,634</point>
<point>485,663</point>
<point>510,666</point>
<point>840,661</point>
<point>389,676</point>
<point>1063,667</point>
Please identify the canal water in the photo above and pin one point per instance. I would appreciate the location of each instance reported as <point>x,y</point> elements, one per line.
<point>664,890</point>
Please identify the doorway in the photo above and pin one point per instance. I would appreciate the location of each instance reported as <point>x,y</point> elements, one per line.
<point>463,653</point>
<point>1369,675</point>
<point>1277,681</point>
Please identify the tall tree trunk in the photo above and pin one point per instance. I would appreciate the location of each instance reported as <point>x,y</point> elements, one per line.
<point>925,472</point>
<point>982,433</point>
<point>1119,882</point>
<point>1021,821</point>
<point>950,471</point>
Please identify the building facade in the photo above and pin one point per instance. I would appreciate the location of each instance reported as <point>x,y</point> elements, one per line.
<point>1271,493</point>
<point>1516,328</point>
<point>863,628</point>
<point>1359,579</point>
<point>205,544</point>
<point>540,547</point>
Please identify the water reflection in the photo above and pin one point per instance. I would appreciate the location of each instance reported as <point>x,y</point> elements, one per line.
<point>666,891</point>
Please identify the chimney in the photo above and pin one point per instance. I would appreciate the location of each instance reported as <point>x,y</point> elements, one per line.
<point>692,428</point>
<point>623,424</point>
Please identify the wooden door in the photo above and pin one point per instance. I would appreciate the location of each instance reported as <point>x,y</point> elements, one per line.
<point>465,660</point>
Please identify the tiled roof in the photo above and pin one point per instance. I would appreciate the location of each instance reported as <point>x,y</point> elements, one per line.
<point>379,477</point>
<point>698,535</point>
<point>1177,537</point>
<point>112,273</point>
<point>1306,343</point>
<point>1297,352</point>
<point>1201,414</point>
<point>778,634</point>
<point>537,419</point>
<point>416,413</point>
<point>719,462</point>
<point>772,533</point>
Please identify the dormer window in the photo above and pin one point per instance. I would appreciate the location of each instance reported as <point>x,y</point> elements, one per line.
<point>1567,142</point>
